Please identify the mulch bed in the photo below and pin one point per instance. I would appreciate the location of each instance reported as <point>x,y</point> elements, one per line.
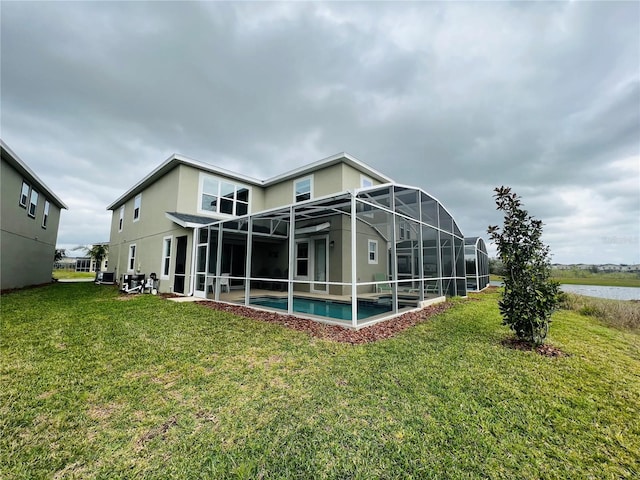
<point>545,350</point>
<point>168,295</point>
<point>379,331</point>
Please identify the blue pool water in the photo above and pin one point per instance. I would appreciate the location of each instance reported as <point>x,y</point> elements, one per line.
<point>324,308</point>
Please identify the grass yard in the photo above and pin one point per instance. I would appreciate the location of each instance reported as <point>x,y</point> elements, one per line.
<point>70,274</point>
<point>94,386</point>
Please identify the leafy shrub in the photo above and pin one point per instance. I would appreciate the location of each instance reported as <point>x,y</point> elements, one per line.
<point>529,295</point>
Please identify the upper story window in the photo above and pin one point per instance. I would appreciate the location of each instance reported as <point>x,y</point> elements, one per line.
<point>121,220</point>
<point>136,207</point>
<point>303,189</point>
<point>24,194</point>
<point>45,217</point>
<point>220,196</point>
<point>33,203</point>
<point>365,182</point>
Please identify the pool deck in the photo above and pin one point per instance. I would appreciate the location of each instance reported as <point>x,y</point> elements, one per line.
<point>237,297</point>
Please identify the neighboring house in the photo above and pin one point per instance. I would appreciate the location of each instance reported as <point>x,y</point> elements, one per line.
<point>88,263</point>
<point>65,263</point>
<point>212,233</point>
<point>29,224</point>
<point>477,262</point>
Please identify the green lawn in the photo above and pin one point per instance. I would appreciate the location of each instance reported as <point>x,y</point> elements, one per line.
<point>97,387</point>
<point>69,274</point>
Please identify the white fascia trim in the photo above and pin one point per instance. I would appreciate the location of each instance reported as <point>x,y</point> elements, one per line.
<point>24,169</point>
<point>177,159</point>
<point>325,162</point>
<point>173,161</point>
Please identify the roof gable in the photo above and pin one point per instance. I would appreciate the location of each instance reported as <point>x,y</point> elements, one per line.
<point>16,162</point>
<point>175,160</point>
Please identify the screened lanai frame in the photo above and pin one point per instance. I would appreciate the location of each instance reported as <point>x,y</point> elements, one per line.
<point>407,251</point>
<point>477,263</point>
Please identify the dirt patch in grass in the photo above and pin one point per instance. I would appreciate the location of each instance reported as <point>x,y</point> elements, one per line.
<point>157,431</point>
<point>545,350</point>
<point>124,297</point>
<point>379,331</point>
<point>168,295</point>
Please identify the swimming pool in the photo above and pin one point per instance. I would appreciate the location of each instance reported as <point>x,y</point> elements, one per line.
<point>324,308</point>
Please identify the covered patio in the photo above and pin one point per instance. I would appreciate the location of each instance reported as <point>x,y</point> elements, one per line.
<point>393,248</point>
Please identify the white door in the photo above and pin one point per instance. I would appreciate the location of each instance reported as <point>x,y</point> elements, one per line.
<point>201,272</point>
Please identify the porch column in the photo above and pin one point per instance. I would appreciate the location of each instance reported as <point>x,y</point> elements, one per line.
<point>354,263</point>
<point>219,262</point>
<point>420,246</point>
<point>439,249</point>
<point>394,253</point>
<point>192,270</point>
<point>247,268</point>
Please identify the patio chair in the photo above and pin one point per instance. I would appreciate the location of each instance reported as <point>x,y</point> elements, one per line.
<point>432,287</point>
<point>381,287</point>
<point>224,282</point>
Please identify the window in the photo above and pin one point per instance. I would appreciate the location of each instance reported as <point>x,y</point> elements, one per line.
<point>136,207</point>
<point>373,252</point>
<point>219,196</point>
<point>83,264</point>
<point>166,257</point>
<point>24,194</point>
<point>33,204</point>
<point>131,266</point>
<point>302,259</point>
<point>303,189</point>
<point>121,221</point>
<point>45,217</point>
<point>365,182</point>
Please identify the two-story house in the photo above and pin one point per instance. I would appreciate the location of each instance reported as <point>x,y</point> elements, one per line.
<point>334,239</point>
<point>29,224</point>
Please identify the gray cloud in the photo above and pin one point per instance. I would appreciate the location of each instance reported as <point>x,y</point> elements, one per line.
<point>456,98</point>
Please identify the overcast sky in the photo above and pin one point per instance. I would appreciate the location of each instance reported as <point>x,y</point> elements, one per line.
<point>455,98</point>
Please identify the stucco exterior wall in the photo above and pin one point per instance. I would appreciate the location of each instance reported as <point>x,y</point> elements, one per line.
<point>149,231</point>
<point>352,177</point>
<point>26,247</point>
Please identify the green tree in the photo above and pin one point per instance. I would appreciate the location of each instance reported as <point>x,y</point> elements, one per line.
<point>59,254</point>
<point>496,267</point>
<point>529,295</point>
